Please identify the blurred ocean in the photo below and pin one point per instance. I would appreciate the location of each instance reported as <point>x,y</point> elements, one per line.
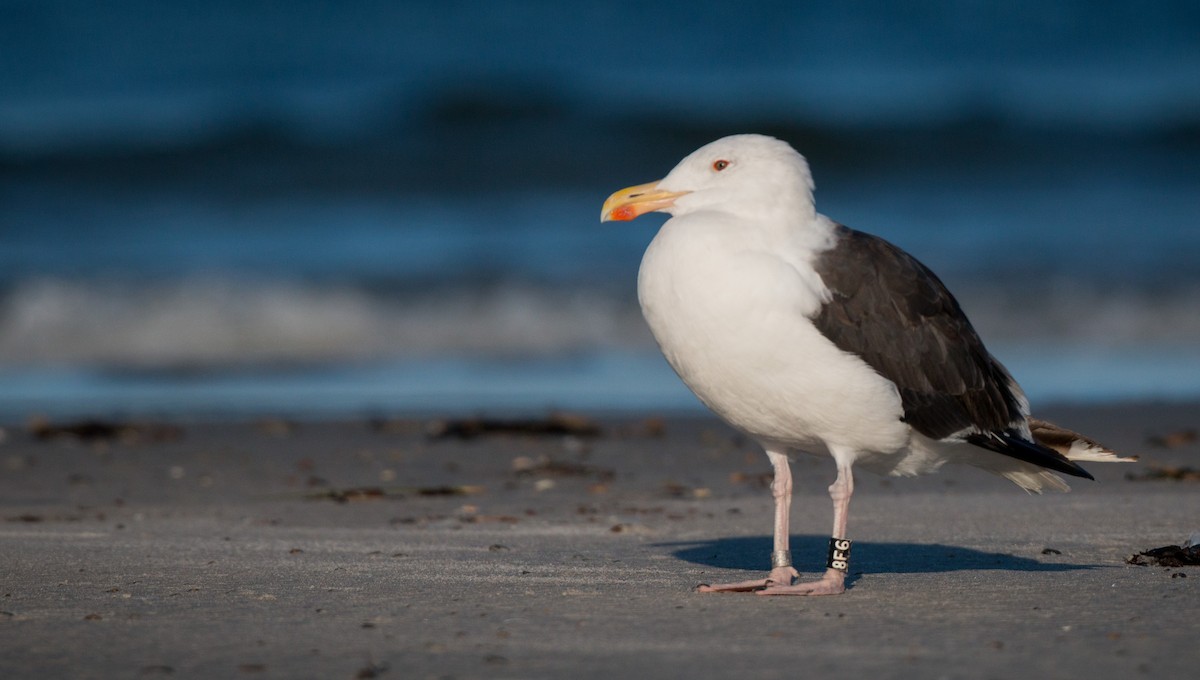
<point>323,208</point>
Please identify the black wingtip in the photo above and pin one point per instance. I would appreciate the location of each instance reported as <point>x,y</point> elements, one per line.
<point>1030,452</point>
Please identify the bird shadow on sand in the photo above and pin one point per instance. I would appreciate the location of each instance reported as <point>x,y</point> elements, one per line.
<point>751,553</point>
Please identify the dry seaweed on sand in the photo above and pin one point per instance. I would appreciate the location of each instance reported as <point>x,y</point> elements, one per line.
<point>1167,556</point>
<point>369,493</point>
<point>94,430</point>
<point>556,424</point>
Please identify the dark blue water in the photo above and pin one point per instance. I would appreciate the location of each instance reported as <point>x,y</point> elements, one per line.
<point>306,206</point>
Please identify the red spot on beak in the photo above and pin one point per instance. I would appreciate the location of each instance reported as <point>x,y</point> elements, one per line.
<point>623,213</point>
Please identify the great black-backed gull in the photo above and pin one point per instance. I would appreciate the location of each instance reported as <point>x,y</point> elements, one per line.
<point>812,337</point>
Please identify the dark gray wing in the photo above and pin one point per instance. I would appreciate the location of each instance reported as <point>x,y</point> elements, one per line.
<point>896,314</point>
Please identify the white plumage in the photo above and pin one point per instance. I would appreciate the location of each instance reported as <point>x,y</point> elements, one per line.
<point>756,359</point>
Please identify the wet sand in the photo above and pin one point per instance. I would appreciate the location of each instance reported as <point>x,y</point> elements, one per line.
<point>367,548</point>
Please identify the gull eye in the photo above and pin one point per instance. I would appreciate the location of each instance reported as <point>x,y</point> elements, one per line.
<point>720,165</point>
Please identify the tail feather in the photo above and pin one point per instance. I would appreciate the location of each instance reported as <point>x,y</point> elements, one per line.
<point>1010,444</point>
<point>1036,481</point>
<point>1072,445</point>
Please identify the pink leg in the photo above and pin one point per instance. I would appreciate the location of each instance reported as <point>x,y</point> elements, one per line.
<point>782,572</point>
<point>833,582</point>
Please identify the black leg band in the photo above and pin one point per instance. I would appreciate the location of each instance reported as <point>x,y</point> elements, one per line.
<point>839,554</point>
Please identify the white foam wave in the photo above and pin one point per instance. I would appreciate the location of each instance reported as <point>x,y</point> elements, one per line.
<point>222,321</point>
<point>1087,315</point>
<point>203,322</point>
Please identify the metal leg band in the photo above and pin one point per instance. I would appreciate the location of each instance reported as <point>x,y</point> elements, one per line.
<point>781,558</point>
<point>839,554</point>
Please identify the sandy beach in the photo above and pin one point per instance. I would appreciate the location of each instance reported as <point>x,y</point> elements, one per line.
<point>427,548</point>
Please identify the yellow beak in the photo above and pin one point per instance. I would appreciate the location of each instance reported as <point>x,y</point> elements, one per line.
<point>627,204</point>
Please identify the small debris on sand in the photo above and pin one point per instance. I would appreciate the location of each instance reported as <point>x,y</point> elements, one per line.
<point>276,427</point>
<point>760,479</point>
<point>1177,473</point>
<point>677,490</point>
<point>524,466</point>
<point>371,670</point>
<point>1174,440</point>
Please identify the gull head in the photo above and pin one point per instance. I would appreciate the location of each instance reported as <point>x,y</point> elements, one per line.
<point>742,174</point>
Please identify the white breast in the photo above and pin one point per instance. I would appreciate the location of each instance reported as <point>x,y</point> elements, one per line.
<point>731,313</point>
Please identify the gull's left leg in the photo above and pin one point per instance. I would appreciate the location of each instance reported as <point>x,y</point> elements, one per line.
<point>782,572</point>
<point>833,582</point>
